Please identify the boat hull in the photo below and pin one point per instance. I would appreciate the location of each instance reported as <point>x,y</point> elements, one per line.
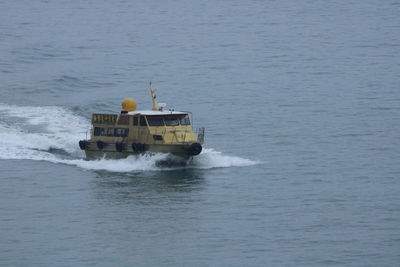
<point>110,151</point>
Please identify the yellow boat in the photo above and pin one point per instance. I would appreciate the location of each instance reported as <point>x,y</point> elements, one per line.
<point>134,132</point>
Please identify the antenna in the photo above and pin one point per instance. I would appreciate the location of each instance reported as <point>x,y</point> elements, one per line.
<point>153,97</point>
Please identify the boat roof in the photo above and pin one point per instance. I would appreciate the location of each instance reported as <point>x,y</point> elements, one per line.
<point>157,112</point>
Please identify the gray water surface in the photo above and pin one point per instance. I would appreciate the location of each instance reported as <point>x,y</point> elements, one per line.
<point>301,104</point>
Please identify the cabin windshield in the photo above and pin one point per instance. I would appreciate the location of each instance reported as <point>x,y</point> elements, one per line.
<point>171,120</point>
<point>166,120</point>
<point>155,120</point>
<point>142,121</point>
<point>184,120</point>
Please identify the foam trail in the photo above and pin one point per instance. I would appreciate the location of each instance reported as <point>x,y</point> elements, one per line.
<point>25,131</point>
<point>132,163</point>
<point>207,160</point>
<point>210,158</point>
<point>31,133</point>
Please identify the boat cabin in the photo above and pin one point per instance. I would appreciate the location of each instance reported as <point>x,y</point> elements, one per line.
<point>157,127</point>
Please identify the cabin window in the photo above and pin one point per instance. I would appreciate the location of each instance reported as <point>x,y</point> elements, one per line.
<point>142,121</point>
<point>117,132</point>
<point>184,120</point>
<point>97,131</point>
<point>155,121</point>
<point>113,132</point>
<point>121,132</point>
<point>171,121</point>
<point>110,131</point>
<point>123,120</point>
<point>157,137</point>
<point>135,120</point>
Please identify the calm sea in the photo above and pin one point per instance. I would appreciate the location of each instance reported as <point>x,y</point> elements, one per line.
<point>301,104</point>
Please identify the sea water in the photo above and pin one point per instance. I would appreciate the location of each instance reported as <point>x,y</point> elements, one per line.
<point>301,105</point>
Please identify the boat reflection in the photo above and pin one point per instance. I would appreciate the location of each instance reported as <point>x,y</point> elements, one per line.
<point>148,188</point>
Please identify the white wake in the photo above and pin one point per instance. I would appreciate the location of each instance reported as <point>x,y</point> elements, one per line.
<point>52,134</point>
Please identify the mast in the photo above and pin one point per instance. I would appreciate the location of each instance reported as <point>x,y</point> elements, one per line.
<point>153,98</point>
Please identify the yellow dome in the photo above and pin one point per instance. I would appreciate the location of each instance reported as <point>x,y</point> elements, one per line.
<point>128,104</point>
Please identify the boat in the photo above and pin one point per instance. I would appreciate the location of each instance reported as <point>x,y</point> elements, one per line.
<point>135,132</point>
